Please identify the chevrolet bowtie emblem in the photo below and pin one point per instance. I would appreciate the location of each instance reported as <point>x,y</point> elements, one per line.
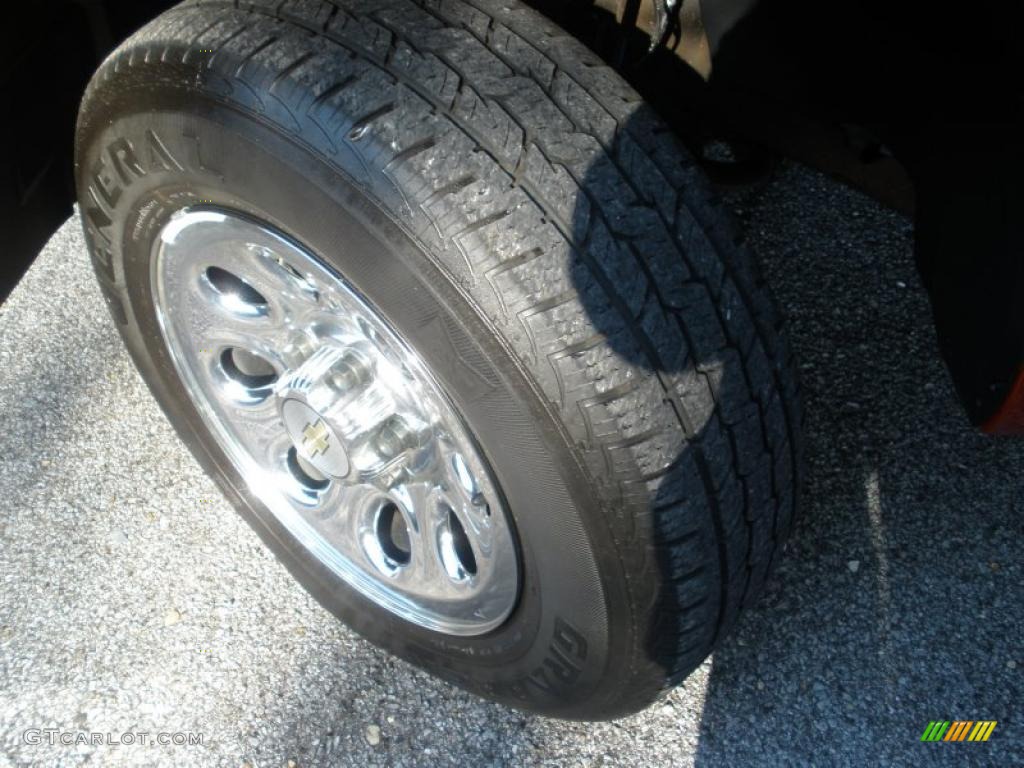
<point>314,438</point>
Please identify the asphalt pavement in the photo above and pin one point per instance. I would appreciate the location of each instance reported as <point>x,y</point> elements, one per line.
<point>135,601</point>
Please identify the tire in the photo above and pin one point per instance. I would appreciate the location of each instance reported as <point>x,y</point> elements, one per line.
<point>510,205</point>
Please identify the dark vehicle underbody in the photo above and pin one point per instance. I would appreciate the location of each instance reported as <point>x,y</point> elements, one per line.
<point>918,108</point>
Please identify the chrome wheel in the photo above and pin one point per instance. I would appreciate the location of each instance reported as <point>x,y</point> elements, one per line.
<point>334,422</point>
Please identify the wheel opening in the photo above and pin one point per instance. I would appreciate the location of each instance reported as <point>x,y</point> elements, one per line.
<point>235,292</point>
<point>247,368</point>
<point>456,551</point>
<point>393,534</point>
<point>304,472</point>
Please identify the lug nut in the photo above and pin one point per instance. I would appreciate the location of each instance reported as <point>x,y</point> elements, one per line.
<point>350,372</point>
<point>302,346</point>
<point>393,437</point>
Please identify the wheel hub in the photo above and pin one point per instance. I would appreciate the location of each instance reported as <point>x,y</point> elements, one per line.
<point>334,422</point>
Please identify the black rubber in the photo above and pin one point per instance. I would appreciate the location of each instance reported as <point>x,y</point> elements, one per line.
<point>525,220</point>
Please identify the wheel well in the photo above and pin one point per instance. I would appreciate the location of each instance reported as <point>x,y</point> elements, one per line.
<point>48,51</point>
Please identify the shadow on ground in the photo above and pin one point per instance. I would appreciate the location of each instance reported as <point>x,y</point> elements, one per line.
<point>899,600</point>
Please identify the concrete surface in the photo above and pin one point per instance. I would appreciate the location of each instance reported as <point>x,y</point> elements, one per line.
<point>134,600</point>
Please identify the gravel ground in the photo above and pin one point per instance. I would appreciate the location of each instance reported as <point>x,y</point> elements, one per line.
<point>135,601</point>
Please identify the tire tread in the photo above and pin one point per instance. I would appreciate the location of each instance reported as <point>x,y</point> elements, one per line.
<point>496,134</point>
